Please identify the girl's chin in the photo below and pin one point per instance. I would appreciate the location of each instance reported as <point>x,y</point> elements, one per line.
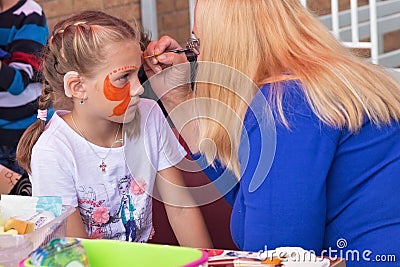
<point>131,108</point>
<point>130,115</point>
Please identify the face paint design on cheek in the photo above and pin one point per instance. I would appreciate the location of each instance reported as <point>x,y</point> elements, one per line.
<point>114,93</point>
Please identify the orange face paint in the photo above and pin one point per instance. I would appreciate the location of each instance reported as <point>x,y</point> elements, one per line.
<point>114,93</point>
<point>132,67</point>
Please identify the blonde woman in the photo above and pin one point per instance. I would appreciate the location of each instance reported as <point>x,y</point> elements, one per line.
<point>334,179</point>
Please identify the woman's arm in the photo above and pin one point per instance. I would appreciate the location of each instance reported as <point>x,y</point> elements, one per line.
<point>222,178</point>
<point>183,214</point>
<point>169,76</point>
<point>75,227</point>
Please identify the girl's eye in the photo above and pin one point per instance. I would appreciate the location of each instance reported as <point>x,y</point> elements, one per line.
<point>123,78</point>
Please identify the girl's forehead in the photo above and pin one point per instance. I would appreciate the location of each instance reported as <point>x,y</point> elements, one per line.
<point>121,56</point>
<point>118,47</point>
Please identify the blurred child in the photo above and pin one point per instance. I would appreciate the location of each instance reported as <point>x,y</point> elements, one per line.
<point>24,33</point>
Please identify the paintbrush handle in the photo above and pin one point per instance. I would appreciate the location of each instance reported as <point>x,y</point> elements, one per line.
<point>182,50</point>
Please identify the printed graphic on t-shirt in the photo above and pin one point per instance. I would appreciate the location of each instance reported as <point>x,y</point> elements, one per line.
<point>122,215</point>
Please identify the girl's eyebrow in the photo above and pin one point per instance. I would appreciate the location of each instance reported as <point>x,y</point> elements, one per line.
<point>124,69</point>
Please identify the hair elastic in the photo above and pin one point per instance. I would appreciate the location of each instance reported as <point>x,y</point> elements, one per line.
<point>42,114</point>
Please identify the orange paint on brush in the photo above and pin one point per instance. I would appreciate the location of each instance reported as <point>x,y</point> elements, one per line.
<point>117,94</point>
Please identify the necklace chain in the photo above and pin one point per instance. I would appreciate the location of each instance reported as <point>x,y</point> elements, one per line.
<point>102,166</point>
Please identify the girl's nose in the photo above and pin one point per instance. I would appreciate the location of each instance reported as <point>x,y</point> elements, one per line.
<point>136,89</point>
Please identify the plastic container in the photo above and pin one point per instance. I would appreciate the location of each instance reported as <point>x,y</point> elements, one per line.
<point>14,248</point>
<point>56,228</point>
<point>105,253</point>
<point>61,252</point>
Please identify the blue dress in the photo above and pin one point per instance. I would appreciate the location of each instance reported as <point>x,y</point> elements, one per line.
<point>315,186</point>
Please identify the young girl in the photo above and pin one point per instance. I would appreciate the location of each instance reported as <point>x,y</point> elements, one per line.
<point>86,156</point>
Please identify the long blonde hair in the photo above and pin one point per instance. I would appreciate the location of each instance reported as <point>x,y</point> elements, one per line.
<point>77,43</point>
<point>266,39</point>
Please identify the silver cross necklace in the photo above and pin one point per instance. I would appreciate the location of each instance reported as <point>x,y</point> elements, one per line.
<point>102,165</point>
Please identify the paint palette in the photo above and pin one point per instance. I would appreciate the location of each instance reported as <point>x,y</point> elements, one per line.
<point>231,258</point>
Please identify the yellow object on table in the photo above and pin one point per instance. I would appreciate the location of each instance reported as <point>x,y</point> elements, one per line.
<point>22,227</point>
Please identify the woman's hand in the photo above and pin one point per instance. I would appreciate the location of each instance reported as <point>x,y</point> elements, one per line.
<point>169,76</point>
<point>153,59</point>
<point>168,72</point>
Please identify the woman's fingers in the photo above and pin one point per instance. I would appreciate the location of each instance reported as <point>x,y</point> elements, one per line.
<point>164,44</point>
<point>170,58</point>
<point>156,56</point>
<point>156,48</point>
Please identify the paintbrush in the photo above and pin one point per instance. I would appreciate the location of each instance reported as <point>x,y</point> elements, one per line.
<point>183,50</point>
<point>192,45</point>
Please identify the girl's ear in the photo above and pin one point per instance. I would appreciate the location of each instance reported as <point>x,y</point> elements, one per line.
<point>73,86</point>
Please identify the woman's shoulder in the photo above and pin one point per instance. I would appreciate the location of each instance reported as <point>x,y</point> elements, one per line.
<point>291,90</point>
<point>292,97</point>
<point>295,106</point>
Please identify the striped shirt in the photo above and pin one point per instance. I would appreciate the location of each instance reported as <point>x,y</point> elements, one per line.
<point>23,35</point>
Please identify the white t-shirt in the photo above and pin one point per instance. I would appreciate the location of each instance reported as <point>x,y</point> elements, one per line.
<point>116,204</point>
